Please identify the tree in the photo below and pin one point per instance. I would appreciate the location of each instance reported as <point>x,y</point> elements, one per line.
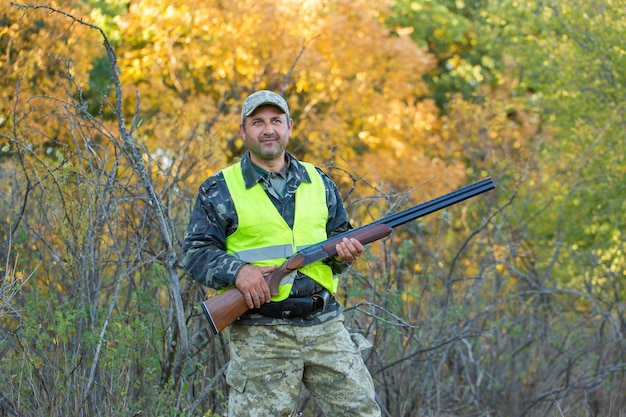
<point>463,36</point>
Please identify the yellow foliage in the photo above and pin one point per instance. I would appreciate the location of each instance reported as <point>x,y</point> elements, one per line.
<point>350,85</point>
<point>351,76</point>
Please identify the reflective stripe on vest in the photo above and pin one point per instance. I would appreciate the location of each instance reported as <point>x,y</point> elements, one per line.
<point>263,237</point>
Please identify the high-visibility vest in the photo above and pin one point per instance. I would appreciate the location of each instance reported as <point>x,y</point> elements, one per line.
<point>263,237</point>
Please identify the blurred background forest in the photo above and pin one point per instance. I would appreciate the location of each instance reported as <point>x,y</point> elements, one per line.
<point>112,113</point>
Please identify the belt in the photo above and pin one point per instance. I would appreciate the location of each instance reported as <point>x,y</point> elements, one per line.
<point>294,307</point>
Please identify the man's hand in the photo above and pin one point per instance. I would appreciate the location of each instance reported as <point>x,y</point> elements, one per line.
<point>348,249</point>
<point>251,282</point>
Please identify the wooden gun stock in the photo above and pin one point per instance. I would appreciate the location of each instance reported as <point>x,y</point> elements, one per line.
<point>226,307</point>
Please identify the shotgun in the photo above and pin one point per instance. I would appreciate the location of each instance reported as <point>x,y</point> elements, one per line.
<point>226,307</point>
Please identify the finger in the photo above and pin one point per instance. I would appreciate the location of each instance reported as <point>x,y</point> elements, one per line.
<point>350,247</point>
<point>248,299</point>
<point>265,270</point>
<point>255,299</point>
<point>263,294</point>
<point>341,253</point>
<point>354,248</point>
<point>357,245</point>
<point>267,296</point>
<point>344,253</point>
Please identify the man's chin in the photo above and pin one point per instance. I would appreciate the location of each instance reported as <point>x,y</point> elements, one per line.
<point>268,155</point>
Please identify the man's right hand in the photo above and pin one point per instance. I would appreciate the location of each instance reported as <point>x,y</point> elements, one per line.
<point>251,282</point>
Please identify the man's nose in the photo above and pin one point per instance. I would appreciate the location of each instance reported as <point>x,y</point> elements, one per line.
<point>268,129</point>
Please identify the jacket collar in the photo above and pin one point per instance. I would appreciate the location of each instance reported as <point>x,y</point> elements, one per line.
<point>294,170</point>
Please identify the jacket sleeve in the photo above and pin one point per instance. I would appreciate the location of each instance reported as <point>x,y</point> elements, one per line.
<point>213,217</point>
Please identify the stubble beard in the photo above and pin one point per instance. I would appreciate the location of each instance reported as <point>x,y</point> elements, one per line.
<point>268,153</point>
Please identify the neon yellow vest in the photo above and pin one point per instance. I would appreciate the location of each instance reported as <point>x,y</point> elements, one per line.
<point>263,237</point>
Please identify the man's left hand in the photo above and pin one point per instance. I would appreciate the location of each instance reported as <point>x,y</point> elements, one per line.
<point>349,249</point>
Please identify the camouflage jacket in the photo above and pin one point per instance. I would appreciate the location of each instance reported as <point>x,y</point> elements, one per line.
<point>214,218</point>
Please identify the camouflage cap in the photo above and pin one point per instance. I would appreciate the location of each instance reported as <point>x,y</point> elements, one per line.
<point>260,98</point>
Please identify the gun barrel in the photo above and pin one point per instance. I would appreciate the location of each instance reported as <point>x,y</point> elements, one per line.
<point>439,203</point>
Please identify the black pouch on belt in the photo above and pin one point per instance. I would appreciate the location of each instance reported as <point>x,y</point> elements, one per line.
<point>306,297</point>
<point>292,307</point>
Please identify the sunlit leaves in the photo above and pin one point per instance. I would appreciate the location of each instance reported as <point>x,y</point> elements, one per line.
<point>348,82</point>
<point>462,35</point>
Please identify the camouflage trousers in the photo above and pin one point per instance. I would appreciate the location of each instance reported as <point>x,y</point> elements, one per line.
<point>269,365</point>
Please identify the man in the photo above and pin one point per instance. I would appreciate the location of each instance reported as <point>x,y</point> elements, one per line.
<point>247,219</point>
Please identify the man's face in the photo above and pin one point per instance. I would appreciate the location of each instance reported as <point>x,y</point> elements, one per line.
<point>266,132</point>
